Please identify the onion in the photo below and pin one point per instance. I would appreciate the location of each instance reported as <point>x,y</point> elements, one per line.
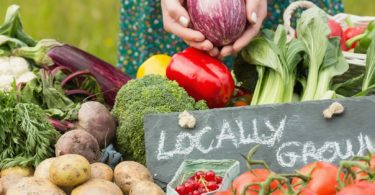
<point>220,21</point>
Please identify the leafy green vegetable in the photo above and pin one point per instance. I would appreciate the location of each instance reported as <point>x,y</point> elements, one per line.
<point>312,30</point>
<point>27,138</point>
<point>334,64</point>
<point>46,92</point>
<point>276,62</point>
<point>150,94</point>
<point>369,79</point>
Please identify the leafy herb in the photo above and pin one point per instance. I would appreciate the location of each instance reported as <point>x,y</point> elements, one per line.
<point>27,138</point>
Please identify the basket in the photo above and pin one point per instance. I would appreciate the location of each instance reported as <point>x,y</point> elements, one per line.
<point>359,21</point>
<point>228,169</point>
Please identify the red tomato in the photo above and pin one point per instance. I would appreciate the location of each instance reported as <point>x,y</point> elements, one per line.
<point>228,192</point>
<point>253,176</point>
<point>360,188</point>
<point>323,178</point>
<point>362,175</point>
<point>305,191</point>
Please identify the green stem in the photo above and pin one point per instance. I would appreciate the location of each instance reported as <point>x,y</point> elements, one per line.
<point>312,79</point>
<point>39,53</point>
<point>351,41</point>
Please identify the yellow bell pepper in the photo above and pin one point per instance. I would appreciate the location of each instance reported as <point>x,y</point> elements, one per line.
<point>156,64</point>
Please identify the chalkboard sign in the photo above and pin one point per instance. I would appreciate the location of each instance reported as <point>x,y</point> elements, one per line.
<point>290,135</point>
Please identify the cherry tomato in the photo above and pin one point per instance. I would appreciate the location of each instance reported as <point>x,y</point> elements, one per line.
<point>360,188</point>
<point>322,178</point>
<point>210,176</point>
<point>255,175</point>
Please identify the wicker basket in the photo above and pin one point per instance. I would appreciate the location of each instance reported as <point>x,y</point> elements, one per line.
<point>351,58</point>
<point>228,169</point>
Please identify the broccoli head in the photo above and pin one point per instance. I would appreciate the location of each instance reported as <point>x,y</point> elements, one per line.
<point>150,94</point>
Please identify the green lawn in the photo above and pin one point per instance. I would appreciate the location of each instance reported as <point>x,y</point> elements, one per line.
<point>93,25</point>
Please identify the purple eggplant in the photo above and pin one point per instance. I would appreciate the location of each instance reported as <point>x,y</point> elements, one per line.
<point>220,21</point>
<point>50,52</point>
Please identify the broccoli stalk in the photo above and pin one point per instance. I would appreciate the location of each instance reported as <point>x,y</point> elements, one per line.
<point>150,94</point>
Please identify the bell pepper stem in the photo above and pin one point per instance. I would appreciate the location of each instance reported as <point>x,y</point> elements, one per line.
<point>351,41</point>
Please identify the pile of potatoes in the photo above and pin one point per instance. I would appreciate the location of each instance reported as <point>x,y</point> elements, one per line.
<point>73,174</point>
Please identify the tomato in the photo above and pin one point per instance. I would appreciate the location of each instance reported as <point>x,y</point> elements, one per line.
<point>360,188</point>
<point>240,103</point>
<point>253,176</point>
<point>228,192</point>
<point>322,178</point>
<point>305,191</point>
<point>362,175</point>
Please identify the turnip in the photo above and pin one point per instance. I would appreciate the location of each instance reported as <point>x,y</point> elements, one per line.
<point>69,170</point>
<point>78,142</point>
<point>96,119</point>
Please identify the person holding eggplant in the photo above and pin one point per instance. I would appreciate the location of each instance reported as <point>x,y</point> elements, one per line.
<point>152,27</point>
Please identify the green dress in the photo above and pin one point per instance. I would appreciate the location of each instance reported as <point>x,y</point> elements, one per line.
<point>142,34</point>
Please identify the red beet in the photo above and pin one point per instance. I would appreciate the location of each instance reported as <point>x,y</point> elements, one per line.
<point>220,21</point>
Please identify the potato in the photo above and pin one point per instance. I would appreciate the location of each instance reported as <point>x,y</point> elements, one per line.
<point>9,180</point>
<point>97,187</point>
<point>128,172</point>
<point>145,188</point>
<point>78,142</point>
<point>96,119</point>
<point>69,170</point>
<point>25,171</point>
<point>35,186</point>
<point>101,171</point>
<point>42,170</point>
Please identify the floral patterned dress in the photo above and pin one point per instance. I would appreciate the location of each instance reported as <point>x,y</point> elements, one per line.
<point>142,34</point>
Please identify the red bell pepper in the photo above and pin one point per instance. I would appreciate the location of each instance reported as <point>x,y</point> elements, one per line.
<point>336,31</point>
<point>202,76</point>
<point>351,32</point>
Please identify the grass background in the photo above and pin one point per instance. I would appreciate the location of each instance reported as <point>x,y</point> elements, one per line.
<point>93,25</point>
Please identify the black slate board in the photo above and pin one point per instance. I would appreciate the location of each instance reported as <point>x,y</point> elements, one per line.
<point>290,135</point>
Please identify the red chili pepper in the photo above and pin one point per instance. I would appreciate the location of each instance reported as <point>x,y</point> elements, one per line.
<point>202,76</point>
<point>350,33</point>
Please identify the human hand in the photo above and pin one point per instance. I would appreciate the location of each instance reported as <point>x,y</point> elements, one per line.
<point>256,12</point>
<point>176,20</point>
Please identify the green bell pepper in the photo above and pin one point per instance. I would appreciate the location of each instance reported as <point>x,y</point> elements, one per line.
<point>365,38</point>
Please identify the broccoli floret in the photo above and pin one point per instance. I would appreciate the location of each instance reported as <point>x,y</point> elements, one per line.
<point>150,94</point>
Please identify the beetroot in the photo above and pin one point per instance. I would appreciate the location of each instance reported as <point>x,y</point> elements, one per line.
<point>220,21</point>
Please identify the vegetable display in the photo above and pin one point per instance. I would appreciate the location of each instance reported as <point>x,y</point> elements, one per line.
<point>150,94</point>
<point>202,76</point>
<point>220,21</point>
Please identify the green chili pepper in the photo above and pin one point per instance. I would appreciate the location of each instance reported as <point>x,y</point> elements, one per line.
<point>365,38</point>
